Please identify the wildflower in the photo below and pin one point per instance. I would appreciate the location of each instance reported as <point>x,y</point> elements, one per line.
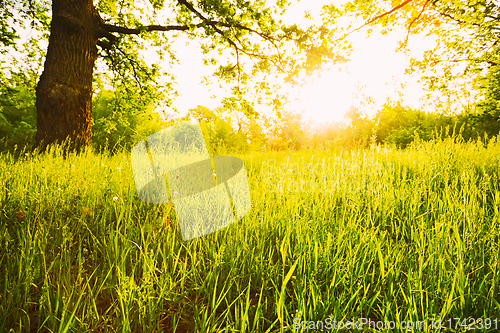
<point>115,199</point>
<point>19,215</point>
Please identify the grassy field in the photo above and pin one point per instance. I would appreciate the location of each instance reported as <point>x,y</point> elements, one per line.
<point>380,233</point>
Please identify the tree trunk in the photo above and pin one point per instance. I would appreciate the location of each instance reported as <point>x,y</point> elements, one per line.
<point>64,92</point>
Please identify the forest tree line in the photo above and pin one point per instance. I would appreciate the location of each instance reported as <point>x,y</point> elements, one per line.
<point>121,118</point>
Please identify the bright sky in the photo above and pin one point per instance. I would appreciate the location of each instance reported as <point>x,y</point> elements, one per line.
<point>375,68</point>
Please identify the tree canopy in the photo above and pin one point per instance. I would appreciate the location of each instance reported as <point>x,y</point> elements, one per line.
<point>251,34</point>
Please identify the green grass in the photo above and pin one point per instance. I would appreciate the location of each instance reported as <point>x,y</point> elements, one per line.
<point>378,233</point>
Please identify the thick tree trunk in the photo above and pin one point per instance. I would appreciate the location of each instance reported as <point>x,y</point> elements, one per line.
<point>64,92</point>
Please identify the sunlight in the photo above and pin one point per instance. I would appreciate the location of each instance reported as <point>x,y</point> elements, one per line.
<point>327,97</point>
<point>374,75</point>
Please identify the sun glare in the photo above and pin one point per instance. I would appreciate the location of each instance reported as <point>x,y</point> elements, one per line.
<point>374,75</point>
<point>326,97</point>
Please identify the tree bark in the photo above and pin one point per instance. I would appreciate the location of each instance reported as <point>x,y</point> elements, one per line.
<point>64,92</point>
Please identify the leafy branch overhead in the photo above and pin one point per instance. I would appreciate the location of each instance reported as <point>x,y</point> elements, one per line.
<point>249,29</point>
<point>466,31</point>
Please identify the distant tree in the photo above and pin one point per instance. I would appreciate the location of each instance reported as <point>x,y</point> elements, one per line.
<point>295,128</point>
<point>119,121</point>
<point>487,118</point>
<point>359,130</point>
<point>18,79</point>
<point>221,135</point>
<point>17,111</point>
<point>254,130</point>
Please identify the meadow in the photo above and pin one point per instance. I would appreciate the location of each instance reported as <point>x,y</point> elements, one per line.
<point>380,233</point>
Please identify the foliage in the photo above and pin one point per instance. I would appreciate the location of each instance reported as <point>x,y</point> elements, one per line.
<point>359,130</point>
<point>118,123</point>
<point>487,117</point>
<point>17,111</point>
<point>15,15</point>
<point>466,30</point>
<point>18,78</point>
<point>465,33</point>
<point>127,95</point>
<point>398,125</point>
<point>295,129</point>
<point>220,135</point>
<point>250,35</point>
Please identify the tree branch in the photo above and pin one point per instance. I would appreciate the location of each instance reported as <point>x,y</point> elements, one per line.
<point>413,21</point>
<point>192,9</point>
<point>104,45</point>
<point>451,17</point>
<point>404,3</point>
<point>107,29</point>
<point>215,24</point>
<point>223,29</point>
<point>128,31</point>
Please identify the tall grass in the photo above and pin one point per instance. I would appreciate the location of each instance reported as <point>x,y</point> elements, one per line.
<point>381,233</point>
